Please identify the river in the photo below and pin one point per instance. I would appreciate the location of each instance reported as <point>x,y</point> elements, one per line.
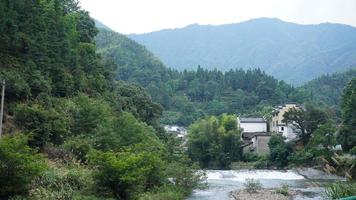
<point>221,182</point>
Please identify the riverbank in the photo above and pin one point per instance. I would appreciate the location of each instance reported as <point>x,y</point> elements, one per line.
<point>266,194</point>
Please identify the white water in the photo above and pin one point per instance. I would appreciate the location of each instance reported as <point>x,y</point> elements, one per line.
<point>222,182</point>
<point>242,175</point>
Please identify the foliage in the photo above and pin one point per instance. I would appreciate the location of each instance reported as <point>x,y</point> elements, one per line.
<point>19,165</point>
<point>127,173</point>
<point>215,141</point>
<point>65,96</point>
<point>262,163</point>
<point>279,151</point>
<point>305,121</point>
<point>46,125</point>
<point>284,189</point>
<point>62,183</point>
<point>347,133</point>
<point>326,91</point>
<point>340,190</point>
<point>189,95</point>
<point>164,193</point>
<point>252,186</point>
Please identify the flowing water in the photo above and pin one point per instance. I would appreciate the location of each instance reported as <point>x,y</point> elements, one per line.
<point>222,182</point>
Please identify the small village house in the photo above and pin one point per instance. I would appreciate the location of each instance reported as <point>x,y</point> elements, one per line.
<point>277,126</point>
<point>254,135</point>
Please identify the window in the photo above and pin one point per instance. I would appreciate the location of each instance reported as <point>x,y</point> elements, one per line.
<point>282,128</point>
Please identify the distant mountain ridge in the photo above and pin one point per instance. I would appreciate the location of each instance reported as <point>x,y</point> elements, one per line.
<point>291,52</point>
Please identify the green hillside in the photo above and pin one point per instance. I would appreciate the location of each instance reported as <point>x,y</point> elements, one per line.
<point>71,130</point>
<point>189,95</point>
<point>327,89</point>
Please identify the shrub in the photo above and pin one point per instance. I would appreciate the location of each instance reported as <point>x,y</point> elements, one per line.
<point>279,151</point>
<point>251,157</point>
<point>127,173</point>
<point>19,165</point>
<point>301,158</point>
<point>284,189</point>
<point>340,190</point>
<point>261,163</point>
<point>164,193</point>
<point>62,183</point>
<point>79,147</point>
<point>252,186</point>
<point>353,151</point>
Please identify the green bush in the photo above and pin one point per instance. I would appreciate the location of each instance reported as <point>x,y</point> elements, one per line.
<point>262,163</point>
<point>284,189</point>
<point>45,125</point>
<point>251,157</point>
<point>79,147</point>
<point>340,190</point>
<point>252,186</point>
<point>164,193</point>
<point>127,173</point>
<point>279,151</point>
<point>62,183</point>
<point>19,165</point>
<point>353,151</point>
<point>301,158</point>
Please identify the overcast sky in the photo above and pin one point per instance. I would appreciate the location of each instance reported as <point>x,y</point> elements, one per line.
<point>141,16</point>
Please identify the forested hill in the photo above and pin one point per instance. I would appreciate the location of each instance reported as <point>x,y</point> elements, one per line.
<point>135,63</point>
<point>291,52</point>
<point>189,95</point>
<point>327,89</point>
<point>71,130</point>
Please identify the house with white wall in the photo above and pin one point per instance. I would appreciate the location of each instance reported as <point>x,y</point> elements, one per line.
<point>277,126</point>
<point>254,135</point>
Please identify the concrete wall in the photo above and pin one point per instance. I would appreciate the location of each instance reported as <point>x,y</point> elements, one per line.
<point>262,145</point>
<point>254,127</point>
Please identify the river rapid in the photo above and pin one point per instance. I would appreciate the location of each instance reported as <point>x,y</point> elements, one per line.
<point>222,182</point>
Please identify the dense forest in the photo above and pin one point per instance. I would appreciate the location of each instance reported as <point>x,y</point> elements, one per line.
<point>327,90</point>
<point>189,95</point>
<point>71,131</point>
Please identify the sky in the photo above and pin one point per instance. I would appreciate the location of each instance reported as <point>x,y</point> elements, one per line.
<point>142,16</point>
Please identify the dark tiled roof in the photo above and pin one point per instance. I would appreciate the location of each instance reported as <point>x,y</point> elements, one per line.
<point>249,135</point>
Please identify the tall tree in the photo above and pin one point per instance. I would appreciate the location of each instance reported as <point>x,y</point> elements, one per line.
<point>305,121</point>
<point>347,133</point>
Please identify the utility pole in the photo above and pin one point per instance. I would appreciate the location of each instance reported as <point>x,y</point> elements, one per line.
<point>2,106</point>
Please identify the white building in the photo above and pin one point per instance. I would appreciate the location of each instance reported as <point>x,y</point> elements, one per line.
<point>278,126</point>
<point>252,125</point>
<point>254,135</point>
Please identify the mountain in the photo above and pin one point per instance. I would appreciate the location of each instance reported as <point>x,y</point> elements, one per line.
<point>288,51</point>
<point>327,89</point>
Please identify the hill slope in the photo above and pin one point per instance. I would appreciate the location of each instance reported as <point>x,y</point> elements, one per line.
<point>291,52</point>
<point>189,95</point>
<point>328,89</point>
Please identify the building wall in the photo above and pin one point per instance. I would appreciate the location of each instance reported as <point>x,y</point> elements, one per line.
<point>262,145</point>
<point>277,124</point>
<point>254,127</point>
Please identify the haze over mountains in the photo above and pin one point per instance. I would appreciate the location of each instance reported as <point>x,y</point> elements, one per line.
<point>291,52</point>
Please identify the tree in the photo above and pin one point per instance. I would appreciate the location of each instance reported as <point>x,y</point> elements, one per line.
<point>19,166</point>
<point>215,141</point>
<point>347,132</point>
<point>279,150</point>
<point>305,121</point>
